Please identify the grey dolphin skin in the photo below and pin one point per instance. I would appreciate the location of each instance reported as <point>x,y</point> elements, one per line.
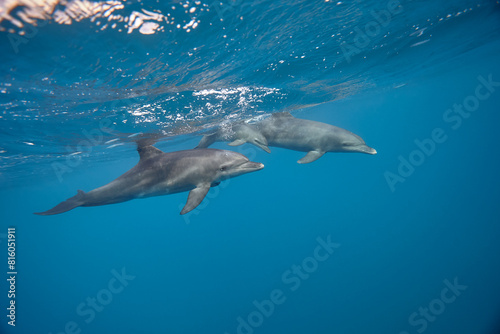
<point>315,138</point>
<point>158,173</point>
<point>285,131</point>
<point>237,134</point>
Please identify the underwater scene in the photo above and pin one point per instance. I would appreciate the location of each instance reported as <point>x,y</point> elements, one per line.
<point>250,167</point>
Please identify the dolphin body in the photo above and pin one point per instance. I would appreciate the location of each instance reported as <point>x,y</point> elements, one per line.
<point>237,134</point>
<point>316,138</point>
<point>158,173</point>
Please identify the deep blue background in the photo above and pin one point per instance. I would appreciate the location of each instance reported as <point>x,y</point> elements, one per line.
<point>198,273</point>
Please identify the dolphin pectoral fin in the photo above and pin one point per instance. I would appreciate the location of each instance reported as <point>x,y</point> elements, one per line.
<point>310,157</point>
<point>237,142</point>
<point>69,204</point>
<point>195,197</point>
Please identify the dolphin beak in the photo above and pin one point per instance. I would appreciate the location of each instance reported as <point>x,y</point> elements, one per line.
<point>264,147</point>
<point>369,150</point>
<point>251,166</point>
<point>262,144</point>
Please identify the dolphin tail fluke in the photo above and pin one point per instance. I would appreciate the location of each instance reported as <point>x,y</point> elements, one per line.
<point>67,205</point>
<point>207,140</point>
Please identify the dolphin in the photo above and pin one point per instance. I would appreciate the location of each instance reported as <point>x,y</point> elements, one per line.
<point>315,138</point>
<point>158,173</point>
<point>237,134</point>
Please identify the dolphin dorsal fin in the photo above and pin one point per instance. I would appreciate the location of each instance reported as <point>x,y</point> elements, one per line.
<point>146,152</point>
<point>282,114</point>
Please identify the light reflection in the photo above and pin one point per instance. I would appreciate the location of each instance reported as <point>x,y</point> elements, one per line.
<point>29,12</point>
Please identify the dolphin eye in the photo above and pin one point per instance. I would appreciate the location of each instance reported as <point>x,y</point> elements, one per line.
<point>222,169</point>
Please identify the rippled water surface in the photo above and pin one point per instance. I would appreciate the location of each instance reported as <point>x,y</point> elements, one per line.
<point>181,67</point>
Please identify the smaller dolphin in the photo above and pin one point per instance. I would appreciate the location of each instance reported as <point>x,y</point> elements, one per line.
<point>237,134</point>
<point>315,138</point>
<point>158,173</point>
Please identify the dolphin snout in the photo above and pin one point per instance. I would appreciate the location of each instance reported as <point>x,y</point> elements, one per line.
<point>367,149</point>
<point>253,166</point>
<point>258,165</point>
<point>264,147</point>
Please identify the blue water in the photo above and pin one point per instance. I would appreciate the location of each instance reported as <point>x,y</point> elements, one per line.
<point>405,241</point>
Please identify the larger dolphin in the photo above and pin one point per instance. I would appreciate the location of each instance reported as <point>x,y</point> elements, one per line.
<point>315,138</point>
<point>158,173</point>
